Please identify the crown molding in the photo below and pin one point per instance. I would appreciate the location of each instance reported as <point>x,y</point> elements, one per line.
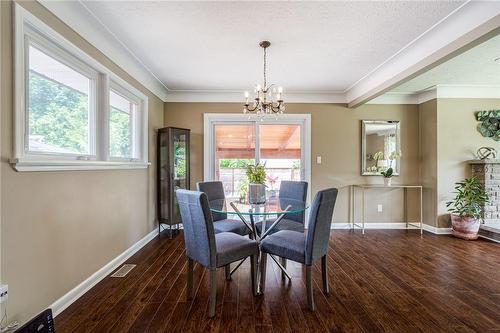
<point>79,18</point>
<point>236,96</point>
<point>468,25</point>
<point>438,92</point>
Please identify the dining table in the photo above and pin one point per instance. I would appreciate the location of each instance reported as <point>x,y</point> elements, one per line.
<point>271,212</point>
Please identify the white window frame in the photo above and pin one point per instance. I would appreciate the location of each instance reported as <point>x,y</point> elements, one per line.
<point>31,30</point>
<point>212,119</point>
<point>136,122</point>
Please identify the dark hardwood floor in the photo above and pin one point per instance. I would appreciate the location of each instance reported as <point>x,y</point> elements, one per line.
<point>383,281</point>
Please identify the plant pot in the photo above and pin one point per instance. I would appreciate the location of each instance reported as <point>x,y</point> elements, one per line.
<point>465,227</point>
<point>387,181</point>
<point>256,193</point>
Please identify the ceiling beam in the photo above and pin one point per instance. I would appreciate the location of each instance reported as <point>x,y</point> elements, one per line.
<point>469,25</point>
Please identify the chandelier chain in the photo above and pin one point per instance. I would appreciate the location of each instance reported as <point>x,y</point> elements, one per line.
<point>265,67</point>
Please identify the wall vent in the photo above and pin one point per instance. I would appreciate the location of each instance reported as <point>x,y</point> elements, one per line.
<point>123,271</point>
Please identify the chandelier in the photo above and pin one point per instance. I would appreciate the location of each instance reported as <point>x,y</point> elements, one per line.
<point>263,103</point>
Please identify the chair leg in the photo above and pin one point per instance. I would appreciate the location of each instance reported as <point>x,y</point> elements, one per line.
<point>227,270</point>
<point>263,265</point>
<point>253,272</point>
<point>190,279</point>
<point>324,273</point>
<point>213,293</point>
<point>309,287</point>
<point>283,263</point>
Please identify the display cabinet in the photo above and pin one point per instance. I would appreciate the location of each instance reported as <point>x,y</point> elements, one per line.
<point>172,173</point>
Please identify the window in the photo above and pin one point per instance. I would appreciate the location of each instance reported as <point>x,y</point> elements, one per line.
<point>122,114</point>
<point>233,141</point>
<point>59,108</point>
<point>72,113</point>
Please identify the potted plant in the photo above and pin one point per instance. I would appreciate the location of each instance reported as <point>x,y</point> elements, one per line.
<point>389,172</point>
<point>257,179</point>
<point>466,209</point>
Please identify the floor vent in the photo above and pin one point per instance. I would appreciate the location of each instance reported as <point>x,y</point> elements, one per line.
<point>124,270</point>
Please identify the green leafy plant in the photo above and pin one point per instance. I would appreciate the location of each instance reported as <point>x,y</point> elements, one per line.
<point>469,199</point>
<point>388,173</point>
<point>256,174</point>
<point>242,189</point>
<point>490,124</point>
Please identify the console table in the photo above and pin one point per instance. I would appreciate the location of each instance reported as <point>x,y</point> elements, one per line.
<point>363,188</point>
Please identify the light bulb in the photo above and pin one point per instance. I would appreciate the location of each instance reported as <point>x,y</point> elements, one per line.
<point>280,89</point>
<point>246,94</point>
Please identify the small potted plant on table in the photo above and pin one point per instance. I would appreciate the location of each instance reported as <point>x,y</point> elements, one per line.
<point>256,188</point>
<point>389,172</point>
<point>466,210</point>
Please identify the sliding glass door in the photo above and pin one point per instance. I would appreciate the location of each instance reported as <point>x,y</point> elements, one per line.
<point>233,144</point>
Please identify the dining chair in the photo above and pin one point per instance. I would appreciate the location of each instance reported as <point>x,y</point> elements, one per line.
<point>305,248</point>
<point>211,250</point>
<point>289,190</point>
<point>214,191</point>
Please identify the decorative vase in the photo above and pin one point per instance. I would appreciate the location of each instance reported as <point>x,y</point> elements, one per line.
<point>256,193</point>
<point>465,227</point>
<point>387,181</point>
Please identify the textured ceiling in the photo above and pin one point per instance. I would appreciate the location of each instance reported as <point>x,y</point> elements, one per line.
<point>476,66</point>
<point>316,46</point>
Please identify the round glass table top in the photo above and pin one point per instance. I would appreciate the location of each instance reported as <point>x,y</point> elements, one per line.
<point>272,206</point>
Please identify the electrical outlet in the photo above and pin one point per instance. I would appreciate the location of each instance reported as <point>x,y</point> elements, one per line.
<point>318,159</point>
<point>4,293</point>
<point>379,208</point>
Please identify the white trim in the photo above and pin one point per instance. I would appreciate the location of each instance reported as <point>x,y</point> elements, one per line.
<point>62,303</point>
<point>394,225</point>
<point>489,238</point>
<point>78,17</point>
<point>236,96</point>
<point>438,91</point>
<point>436,230</point>
<point>28,27</point>
<point>293,118</point>
<point>454,33</point>
<point>71,165</point>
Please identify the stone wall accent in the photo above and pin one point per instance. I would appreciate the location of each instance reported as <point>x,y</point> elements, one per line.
<point>488,172</point>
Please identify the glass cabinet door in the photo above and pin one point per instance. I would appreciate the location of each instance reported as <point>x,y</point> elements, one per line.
<point>180,167</point>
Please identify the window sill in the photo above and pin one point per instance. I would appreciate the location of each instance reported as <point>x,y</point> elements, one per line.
<point>50,165</point>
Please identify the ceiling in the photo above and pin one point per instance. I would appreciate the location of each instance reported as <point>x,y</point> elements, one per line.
<point>316,46</point>
<point>475,67</point>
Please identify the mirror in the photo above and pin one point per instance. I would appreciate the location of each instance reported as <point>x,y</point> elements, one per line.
<point>379,146</point>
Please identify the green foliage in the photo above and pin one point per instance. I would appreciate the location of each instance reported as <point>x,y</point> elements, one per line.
<point>180,159</point>
<point>243,188</point>
<point>387,173</point>
<point>235,163</point>
<point>58,114</point>
<point>256,174</point>
<point>490,124</point>
<point>119,133</point>
<point>469,199</point>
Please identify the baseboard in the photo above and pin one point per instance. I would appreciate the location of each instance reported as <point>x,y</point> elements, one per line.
<point>397,225</point>
<point>489,238</point>
<point>436,230</point>
<point>75,293</point>
<point>373,225</point>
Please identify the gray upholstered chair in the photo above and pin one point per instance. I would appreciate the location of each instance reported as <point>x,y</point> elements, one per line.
<point>305,248</point>
<point>296,190</point>
<point>214,191</point>
<point>207,248</point>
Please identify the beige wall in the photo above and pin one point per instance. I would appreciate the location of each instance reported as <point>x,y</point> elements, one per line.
<point>458,141</point>
<point>428,158</point>
<point>58,228</point>
<point>336,136</point>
